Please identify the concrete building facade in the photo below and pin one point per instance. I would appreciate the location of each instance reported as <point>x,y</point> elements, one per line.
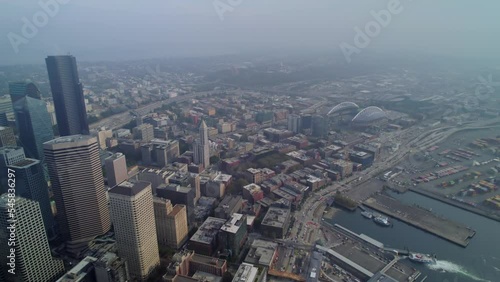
<point>132,213</point>
<point>78,186</point>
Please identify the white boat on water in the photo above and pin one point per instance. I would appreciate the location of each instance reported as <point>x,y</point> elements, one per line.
<point>382,220</point>
<point>422,258</point>
<point>366,214</point>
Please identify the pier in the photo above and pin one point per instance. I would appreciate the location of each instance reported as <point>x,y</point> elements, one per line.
<point>422,219</point>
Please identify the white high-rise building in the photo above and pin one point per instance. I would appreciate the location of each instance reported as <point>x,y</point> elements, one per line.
<point>133,217</point>
<point>202,147</point>
<point>33,259</point>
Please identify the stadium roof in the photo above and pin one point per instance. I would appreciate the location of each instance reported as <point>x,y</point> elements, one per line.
<point>369,114</point>
<point>342,107</point>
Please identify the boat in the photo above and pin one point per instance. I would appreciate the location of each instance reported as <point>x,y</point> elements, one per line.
<point>367,214</point>
<point>422,258</point>
<point>382,220</point>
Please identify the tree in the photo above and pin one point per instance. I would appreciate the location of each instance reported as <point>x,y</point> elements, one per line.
<point>227,277</point>
<point>214,159</point>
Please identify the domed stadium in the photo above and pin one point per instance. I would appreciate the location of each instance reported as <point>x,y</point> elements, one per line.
<point>369,116</point>
<point>343,107</point>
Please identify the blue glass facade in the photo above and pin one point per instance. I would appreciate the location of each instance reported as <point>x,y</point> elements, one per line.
<point>32,118</point>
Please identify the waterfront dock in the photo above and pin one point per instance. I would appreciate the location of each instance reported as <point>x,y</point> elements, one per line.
<point>364,256</point>
<point>422,218</point>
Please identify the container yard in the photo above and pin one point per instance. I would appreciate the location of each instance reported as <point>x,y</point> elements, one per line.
<point>464,169</point>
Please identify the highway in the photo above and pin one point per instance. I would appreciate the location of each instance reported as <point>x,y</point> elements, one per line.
<point>121,119</point>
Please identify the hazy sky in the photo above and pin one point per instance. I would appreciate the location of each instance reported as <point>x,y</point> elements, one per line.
<point>130,29</point>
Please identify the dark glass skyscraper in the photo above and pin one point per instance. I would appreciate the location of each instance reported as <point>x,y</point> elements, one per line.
<point>32,118</point>
<point>30,181</point>
<point>67,92</point>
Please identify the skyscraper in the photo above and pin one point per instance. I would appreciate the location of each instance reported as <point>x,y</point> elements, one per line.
<point>78,185</point>
<point>132,213</point>
<point>32,118</point>
<point>116,169</point>
<point>294,123</point>
<point>202,147</point>
<point>7,137</point>
<point>32,252</point>
<point>30,181</point>
<point>67,92</point>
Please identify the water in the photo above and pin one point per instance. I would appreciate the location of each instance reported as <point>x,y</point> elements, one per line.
<point>480,261</point>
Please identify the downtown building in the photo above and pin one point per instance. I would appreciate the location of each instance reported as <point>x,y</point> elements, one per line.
<point>78,186</point>
<point>132,213</point>
<point>32,118</point>
<point>67,93</point>
<point>171,223</point>
<point>116,169</point>
<point>30,181</point>
<point>7,137</point>
<point>33,259</point>
<point>202,147</point>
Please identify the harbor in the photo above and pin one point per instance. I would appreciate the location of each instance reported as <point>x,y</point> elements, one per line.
<point>364,256</point>
<point>422,218</point>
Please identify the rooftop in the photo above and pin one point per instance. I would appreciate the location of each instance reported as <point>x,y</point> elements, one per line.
<point>233,224</point>
<point>246,272</point>
<point>177,209</point>
<point>252,188</point>
<point>276,217</point>
<point>261,252</point>
<point>208,230</point>
<point>130,188</point>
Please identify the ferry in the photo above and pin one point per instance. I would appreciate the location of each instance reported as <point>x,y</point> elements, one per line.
<point>366,214</point>
<point>382,220</point>
<point>422,258</point>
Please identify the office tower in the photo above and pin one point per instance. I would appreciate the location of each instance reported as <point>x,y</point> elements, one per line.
<point>32,118</point>
<point>179,195</point>
<point>33,260</point>
<point>6,113</point>
<point>7,137</point>
<point>162,207</point>
<point>78,186</point>
<point>171,223</point>
<point>319,126</point>
<point>294,123</point>
<point>30,181</point>
<point>116,169</point>
<point>202,147</point>
<point>143,132</point>
<point>67,93</point>
<point>102,136</point>
<point>132,213</point>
